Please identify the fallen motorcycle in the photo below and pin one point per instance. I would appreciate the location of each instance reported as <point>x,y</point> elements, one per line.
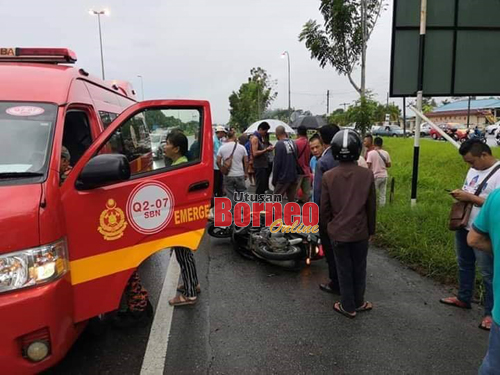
<point>288,250</point>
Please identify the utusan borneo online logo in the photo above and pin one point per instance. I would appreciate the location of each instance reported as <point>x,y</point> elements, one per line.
<point>250,208</point>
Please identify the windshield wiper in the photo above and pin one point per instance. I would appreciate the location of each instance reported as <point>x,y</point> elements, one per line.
<point>19,174</point>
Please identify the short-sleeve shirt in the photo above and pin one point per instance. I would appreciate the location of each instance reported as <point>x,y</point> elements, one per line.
<point>237,167</point>
<point>378,165</point>
<point>472,182</point>
<point>487,223</point>
<point>217,145</point>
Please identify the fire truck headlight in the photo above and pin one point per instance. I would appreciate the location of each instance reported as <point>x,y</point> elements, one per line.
<point>33,267</point>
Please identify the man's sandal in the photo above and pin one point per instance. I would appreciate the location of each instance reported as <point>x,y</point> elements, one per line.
<point>337,306</point>
<point>454,301</point>
<point>367,306</point>
<point>181,300</point>
<point>182,289</point>
<point>486,323</point>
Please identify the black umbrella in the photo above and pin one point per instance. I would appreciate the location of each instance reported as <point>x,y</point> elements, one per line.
<point>310,122</point>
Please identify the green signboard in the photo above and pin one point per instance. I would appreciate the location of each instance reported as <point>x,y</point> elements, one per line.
<point>462,48</point>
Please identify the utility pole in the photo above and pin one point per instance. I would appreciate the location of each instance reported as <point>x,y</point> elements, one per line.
<point>344,105</point>
<point>327,102</point>
<point>363,52</point>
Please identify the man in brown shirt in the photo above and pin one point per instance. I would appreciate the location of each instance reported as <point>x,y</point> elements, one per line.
<point>348,206</point>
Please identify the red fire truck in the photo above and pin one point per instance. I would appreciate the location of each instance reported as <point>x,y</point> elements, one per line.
<point>68,247</point>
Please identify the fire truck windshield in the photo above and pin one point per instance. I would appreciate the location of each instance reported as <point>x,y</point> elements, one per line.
<point>26,134</point>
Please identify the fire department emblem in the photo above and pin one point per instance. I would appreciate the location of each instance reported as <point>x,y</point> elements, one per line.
<point>112,222</point>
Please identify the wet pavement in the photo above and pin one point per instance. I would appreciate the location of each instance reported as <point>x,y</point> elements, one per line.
<point>254,318</point>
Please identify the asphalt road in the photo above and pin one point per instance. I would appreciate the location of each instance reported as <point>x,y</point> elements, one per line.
<point>253,318</point>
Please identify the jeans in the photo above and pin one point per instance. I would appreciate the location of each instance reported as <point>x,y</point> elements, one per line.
<point>351,268</point>
<point>381,186</point>
<point>233,185</point>
<point>467,258</point>
<point>288,188</point>
<point>491,363</point>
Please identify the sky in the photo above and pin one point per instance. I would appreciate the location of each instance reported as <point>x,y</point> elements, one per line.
<point>197,49</point>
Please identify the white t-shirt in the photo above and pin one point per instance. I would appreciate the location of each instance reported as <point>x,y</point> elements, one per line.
<point>237,168</point>
<point>472,182</point>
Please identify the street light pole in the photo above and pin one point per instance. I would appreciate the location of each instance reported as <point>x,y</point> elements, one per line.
<point>99,13</point>
<point>289,90</point>
<point>142,86</point>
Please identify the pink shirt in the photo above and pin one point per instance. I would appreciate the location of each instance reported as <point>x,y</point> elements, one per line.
<point>376,161</point>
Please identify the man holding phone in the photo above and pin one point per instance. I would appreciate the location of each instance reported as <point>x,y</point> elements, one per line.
<point>484,167</point>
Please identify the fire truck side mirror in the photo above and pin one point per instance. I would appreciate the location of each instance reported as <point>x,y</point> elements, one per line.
<point>103,170</point>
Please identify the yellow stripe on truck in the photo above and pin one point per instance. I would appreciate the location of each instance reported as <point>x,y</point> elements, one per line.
<point>94,267</point>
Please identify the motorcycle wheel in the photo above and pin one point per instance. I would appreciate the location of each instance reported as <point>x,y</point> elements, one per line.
<point>294,252</point>
<point>218,232</point>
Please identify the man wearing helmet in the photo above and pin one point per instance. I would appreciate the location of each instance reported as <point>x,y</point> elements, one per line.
<point>348,205</point>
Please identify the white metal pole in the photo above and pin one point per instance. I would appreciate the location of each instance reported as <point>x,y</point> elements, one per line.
<point>420,92</point>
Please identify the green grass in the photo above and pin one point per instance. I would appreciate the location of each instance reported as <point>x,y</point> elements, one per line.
<point>419,237</point>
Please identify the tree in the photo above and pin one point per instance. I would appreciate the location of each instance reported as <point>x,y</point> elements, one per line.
<point>428,105</point>
<point>252,99</point>
<point>338,117</point>
<point>342,41</point>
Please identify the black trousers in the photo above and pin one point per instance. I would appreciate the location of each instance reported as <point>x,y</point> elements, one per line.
<point>351,268</point>
<point>218,180</point>
<point>261,180</point>
<point>330,258</point>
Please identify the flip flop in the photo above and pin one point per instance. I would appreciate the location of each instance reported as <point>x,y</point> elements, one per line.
<point>454,301</point>
<point>367,306</point>
<point>180,300</point>
<point>337,306</point>
<point>487,320</point>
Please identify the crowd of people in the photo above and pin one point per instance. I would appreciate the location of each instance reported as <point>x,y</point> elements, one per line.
<point>290,167</point>
<point>347,178</point>
<point>316,168</point>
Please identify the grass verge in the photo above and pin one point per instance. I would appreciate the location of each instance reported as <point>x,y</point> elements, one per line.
<point>419,237</point>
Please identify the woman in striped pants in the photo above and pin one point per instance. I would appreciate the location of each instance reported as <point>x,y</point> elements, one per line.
<point>190,288</point>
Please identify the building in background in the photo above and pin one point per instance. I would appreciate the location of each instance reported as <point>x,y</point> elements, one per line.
<point>482,112</point>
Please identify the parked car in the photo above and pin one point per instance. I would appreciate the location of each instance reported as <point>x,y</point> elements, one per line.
<point>425,129</point>
<point>492,129</point>
<point>453,129</point>
<point>388,131</point>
